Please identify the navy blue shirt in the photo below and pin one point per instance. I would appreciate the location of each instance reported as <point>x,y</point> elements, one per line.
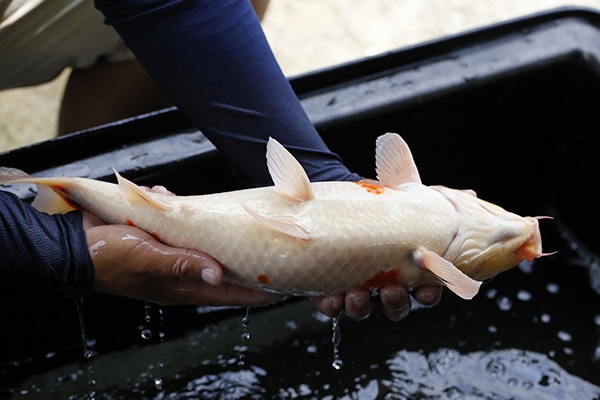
<point>213,61</point>
<point>41,250</point>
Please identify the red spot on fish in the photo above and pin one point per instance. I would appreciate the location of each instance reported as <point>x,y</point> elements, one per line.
<point>155,236</point>
<point>371,187</point>
<point>262,278</point>
<point>382,278</point>
<point>129,222</point>
<point>64,194</point>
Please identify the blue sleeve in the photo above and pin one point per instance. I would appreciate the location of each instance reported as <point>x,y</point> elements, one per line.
<point>41,250</point>
<point>213,61</point>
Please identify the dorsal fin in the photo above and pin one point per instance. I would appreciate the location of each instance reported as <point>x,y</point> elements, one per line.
<point>394,161</point>
<point>455,280</point>
<point>289,177</point>
<point>138,196</point>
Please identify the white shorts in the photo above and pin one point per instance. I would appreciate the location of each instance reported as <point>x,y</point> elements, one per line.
<point>40,38</point>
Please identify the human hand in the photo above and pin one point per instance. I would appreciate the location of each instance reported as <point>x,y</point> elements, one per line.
<point>130,262</point>
<point>395,301</point>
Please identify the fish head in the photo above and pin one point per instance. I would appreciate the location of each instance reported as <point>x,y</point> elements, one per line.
<point>490,240</point>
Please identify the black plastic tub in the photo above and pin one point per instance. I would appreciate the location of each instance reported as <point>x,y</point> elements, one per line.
<point>510,111</point>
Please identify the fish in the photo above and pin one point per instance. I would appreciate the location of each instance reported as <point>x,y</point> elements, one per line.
<point>305,238</point>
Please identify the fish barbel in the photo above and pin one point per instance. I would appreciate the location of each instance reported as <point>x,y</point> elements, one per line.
<point>304,238</point>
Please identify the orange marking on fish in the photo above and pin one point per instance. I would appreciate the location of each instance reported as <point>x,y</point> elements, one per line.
<point>64,193</point>
<point>371,187</point>
<point>155,236</point>
<point>262,278</point>
<point>129,222</point>
<point>382,278</point>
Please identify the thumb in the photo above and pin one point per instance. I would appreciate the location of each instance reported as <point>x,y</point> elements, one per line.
<point>191,265</point>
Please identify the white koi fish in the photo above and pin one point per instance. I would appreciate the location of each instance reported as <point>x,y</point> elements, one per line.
<point>304,238</point>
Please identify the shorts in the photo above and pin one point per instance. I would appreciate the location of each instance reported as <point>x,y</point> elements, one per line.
<point>40,38</point>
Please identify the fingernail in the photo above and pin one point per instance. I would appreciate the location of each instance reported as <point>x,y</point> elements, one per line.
<point>336,303</point>
<point>392,296</point>
<point>359,301</point>
<point>209,276</point>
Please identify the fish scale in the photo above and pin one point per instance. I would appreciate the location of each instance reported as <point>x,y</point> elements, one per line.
<point>304,238</point>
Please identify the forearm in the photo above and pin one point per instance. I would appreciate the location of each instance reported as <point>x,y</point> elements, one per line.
<point>213,61</point>
<point>39,250</point>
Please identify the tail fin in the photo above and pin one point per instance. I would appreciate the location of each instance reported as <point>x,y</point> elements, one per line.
<point>51,198</point>
<point>12,175</point>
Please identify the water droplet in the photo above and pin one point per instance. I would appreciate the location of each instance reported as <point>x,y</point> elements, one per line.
<point>158,383</point>
<point>337,364</point>
<point>564,336</point>
<point>87,354</point>
<point>526,266</point>
<point>552,288</point>
<point>524,295</point>
<point>311,348</point>
<point>597,319</point>
<point>291,325</point>
<point>147,310</point>
<point>245,322</point>
<point>597,353</point>
<point>504,303</point>
<point>146,334</point>
<point>545,318</point>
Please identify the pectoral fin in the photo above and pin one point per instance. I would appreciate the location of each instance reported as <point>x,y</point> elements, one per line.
<point>138,196</point>
<point>455,279</point>
<point>288,175</point>
<point>285,224</point>
<point>394,161</point>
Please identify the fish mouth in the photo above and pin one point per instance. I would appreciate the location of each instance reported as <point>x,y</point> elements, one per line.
<point>532,248</point>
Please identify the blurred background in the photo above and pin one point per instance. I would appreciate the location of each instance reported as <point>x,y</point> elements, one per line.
<point>305,35</point>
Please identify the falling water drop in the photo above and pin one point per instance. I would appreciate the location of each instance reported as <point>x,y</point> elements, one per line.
<point>245,323</point>
<point>337,362</point>
<point>245,337</point>
<point>87,353</point>
<point>146,334</point>
<point>147,310</point>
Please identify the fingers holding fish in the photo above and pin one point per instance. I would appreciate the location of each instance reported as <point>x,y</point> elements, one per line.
<point>428,295</point>
<point>395,301</point>
<point>130,262</point>
<point>358,304</point>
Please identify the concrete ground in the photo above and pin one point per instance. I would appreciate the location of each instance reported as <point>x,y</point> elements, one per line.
<point>305,35</point>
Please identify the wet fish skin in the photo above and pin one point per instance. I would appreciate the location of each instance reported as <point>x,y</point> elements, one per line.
<point>305,238</point>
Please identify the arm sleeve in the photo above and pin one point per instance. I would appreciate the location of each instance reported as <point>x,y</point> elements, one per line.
<point>213,61</point>
<point>41,250</point>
